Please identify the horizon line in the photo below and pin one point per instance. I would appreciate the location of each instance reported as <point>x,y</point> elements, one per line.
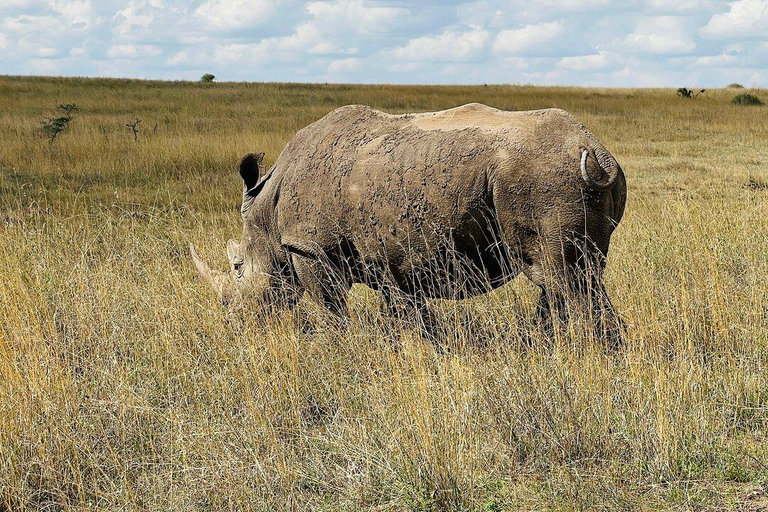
<point>370,84</point>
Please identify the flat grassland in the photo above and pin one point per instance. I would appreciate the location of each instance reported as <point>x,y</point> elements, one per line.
<point>124,385</point>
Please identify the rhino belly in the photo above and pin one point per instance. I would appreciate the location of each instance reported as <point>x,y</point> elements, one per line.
<point>446,261</point>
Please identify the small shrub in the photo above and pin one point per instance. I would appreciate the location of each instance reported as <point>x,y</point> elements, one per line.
<point>207,78</point>
<point>746,99</point>
<point>684,92</point>
<point>755,184</point>
<point>134,126</point>
<point>735,86</point>
<point>53,126</point>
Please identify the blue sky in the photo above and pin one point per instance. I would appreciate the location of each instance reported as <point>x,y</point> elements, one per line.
<point>585,42</point>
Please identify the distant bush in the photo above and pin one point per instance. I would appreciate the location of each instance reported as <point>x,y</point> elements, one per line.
<point>746,99</point>
<point>735,86</point>
<point>207,78</point>
<point>53,126</point>
<point>684,92</point>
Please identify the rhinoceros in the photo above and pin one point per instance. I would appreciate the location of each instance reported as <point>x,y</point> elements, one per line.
<point>446,204</point>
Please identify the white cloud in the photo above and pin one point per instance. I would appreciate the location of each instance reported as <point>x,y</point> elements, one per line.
<point>74,12</point>
<point>529,39</point>
<point>133,51</point>
<point>235,14</point>
<point>736,47</point>
<point>745,19</point>
<point>404,67</point>
<point>572,5</point>
<point>596,42</point>
<point>32,48</point>
<point>584,62</point>
<point>15,5</point>
<point>660,35</point>
<point>677,6</point>
<point>508,13</point>
<point>26,24</point>
<point>305,38</point>
<point>343,66</point>
<point>304,41</point>
<point>137,14</point>
<point>451,45</point>
<point>45,66</point>
<point>756,79</point>
<point>516,63</point>
<point>482,14</point>
<point>717,60</point>
<point>329,26</point>
<point>354,15</point>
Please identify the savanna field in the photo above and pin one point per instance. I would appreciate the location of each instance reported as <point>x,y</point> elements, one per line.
<point>124,385</point>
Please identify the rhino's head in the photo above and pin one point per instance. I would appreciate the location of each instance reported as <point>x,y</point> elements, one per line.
<point>257,272</point>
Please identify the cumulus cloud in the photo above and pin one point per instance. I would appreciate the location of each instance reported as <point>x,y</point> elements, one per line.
<point>343,66</point>
<point>15,5</point>
<point>25,24</point>
<point>31,49</point>
<point>529,39</point>
<point>516,63</point>
<point>450,45</point>
<point>130,51</point>
<point>663,35</point>
<point>677,6</point>
<point>595,42</point>
<point>573,5</point>
<point>235,14</point>
<point>75,12</point>
<point>584,62</point>
<point>744,19</point>
<point>717,60</point>
<point>137,14</point>
<point>356,16</point>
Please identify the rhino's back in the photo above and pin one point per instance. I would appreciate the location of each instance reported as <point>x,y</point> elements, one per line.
<point>352,129</point>
<point>373,176</point>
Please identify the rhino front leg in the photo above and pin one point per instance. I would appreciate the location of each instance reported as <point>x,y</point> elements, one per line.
<point>608,324</point>
<point>323,283</point>
<point>587,296</point>
<point>412,309</point>
<point>551,310</point>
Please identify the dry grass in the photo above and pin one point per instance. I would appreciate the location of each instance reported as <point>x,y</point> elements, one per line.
<point>124,386</point>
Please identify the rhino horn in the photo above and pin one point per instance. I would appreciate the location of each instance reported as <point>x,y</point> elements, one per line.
<point>220,281</point>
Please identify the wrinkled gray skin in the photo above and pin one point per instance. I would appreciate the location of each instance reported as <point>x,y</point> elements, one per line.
<point>448,204</point>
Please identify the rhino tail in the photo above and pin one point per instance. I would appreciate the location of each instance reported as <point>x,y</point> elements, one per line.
<point>605,164</point>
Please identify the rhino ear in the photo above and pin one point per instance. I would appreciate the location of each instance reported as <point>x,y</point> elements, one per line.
<point>250,169</point>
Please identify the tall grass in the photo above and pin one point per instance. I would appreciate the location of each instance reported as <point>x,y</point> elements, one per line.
<point>123,385</point>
